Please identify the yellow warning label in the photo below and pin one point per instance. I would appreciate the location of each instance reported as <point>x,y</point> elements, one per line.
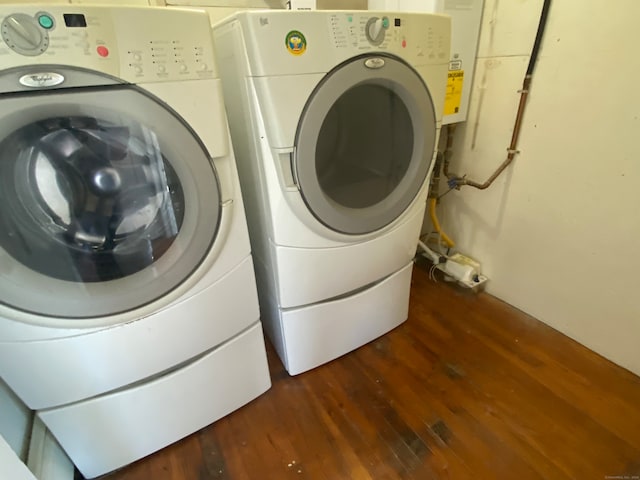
<point>454,92</point>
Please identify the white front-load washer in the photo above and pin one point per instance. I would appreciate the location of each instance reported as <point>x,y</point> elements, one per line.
<point>128,308</point>
<point>334,117</point>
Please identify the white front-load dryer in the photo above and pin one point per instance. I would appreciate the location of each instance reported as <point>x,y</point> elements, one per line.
<point>128,308</point>
<point>334,117</point>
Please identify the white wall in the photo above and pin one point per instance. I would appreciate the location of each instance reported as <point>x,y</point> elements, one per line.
<point>558,232</point>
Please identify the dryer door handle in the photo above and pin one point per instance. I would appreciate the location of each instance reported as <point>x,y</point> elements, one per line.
<point>286,171</point>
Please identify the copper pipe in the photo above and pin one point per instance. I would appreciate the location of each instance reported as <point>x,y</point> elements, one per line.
<point>448,152</point>
<point>457,182</point>
<point>435,177</point>
<point>512,151</point>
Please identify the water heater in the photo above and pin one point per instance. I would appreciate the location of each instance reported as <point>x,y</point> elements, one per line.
<point>465,28</point>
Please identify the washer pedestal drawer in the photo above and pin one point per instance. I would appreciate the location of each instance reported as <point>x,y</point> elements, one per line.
<point>113,430</point>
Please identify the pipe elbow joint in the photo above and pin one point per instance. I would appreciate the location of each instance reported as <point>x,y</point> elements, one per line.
<point>455,182</point>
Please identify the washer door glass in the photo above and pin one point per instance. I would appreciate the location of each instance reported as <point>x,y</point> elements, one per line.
<point>365,143</point>
<point>107,201</point>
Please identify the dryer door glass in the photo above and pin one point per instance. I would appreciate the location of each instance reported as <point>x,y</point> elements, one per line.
<point>365,143</point>
<point>107,202</point>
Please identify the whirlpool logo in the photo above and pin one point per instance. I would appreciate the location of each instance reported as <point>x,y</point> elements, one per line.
<point>41,79</point>
<point>374,63</point>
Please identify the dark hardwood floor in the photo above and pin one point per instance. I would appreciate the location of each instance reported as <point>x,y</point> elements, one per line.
<point>467,388</point>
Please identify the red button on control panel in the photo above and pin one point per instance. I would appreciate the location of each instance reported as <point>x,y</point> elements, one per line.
<point>102,51</point>
<point>404,43</point>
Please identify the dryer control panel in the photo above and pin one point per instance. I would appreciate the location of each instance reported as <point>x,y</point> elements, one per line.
<point>299,42</point>
<point>135,44</point>
<point>405,34</point>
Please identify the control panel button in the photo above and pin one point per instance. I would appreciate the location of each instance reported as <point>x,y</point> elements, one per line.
<point>137,57</point>
<point>45,21</point>
<point>102,51</point>
<point>183,68</point>
<point>162,68</point>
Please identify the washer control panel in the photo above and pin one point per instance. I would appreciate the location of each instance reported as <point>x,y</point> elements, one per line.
<point>25,34</point>
<point>136,44</point>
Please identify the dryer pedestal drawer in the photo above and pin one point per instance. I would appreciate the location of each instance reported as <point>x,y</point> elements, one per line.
<point>310,275</point>
<point>318,333</point>
<point>108,432</point>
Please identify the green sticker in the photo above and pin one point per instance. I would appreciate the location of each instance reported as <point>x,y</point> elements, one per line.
<point>296,43</point>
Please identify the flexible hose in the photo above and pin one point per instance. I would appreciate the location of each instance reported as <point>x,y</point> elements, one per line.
<point>436,224</point>
<point>433,256</point>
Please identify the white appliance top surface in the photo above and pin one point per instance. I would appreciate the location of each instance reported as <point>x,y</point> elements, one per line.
<point>135,44</point>
<point>299,42</point>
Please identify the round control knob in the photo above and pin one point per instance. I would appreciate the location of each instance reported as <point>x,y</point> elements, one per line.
<point>375,29</point>
<point>22,34</point>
